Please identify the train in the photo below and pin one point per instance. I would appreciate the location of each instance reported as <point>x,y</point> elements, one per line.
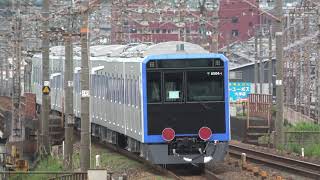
<point>167,102</point>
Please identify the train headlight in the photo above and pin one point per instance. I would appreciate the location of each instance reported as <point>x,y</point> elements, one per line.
<point>168,134</point>
<point>205,133</point>
<point>207,159</point>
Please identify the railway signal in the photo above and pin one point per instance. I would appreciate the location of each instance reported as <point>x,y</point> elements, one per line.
<point>46,90</point>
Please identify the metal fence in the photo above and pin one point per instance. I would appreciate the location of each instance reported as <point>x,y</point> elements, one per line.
<point>302,138</point>
<point>42,175</point>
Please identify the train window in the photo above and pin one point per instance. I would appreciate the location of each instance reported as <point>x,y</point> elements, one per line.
<point>118,89</point>
<point>154,87</point>
<point>126,93</point>
<point>100,85</point>
<point>111,88</point>
<point>121,89</point>
<point>173,87</point>
<point>114,87</point>
<point>137,93</point>
<point>133,91</point>
<point>130,92</point>
<point>205,86</point>
<point>107,88</point>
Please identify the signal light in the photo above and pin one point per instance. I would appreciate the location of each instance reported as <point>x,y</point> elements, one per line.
<point>168,134</point>
<point>205,133</point>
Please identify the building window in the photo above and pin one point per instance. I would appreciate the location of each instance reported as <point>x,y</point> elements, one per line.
<point>235,32</point>
<point>235,75</point>
<point>250,24</point>
<point>164,31</point>
<point>133,30</point>
<point>158,31</point>
<point>234,20</point>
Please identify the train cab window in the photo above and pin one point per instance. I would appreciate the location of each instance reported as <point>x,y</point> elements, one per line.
<point>205,86</point>
<point>154,87</point>
<point>173,87</point>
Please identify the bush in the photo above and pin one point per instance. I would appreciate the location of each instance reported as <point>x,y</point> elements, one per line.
<point>310,141</point>
<point>304,126</point>
<point>312,150</point>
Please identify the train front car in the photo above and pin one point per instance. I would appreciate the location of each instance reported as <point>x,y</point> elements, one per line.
<point>186,108</point>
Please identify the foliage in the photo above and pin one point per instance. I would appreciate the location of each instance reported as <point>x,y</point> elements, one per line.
<point>304,126</point>
<point>48,164</point>
<point>309,141</point>
<point>313,150</point>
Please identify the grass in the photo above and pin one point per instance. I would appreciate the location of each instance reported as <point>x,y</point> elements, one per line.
<point>48,164</point>
<point>304,126</point>
<point>110,161</point>
<point>310,142</point>
<point>116,164</point>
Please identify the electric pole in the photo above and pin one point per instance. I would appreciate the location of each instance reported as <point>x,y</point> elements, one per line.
<point>16,57</point>
<point>270,64</point>
<point>279,68</point>
<point>1,76</point>
<point>46,104</point>
<point>318,69</point>
<point>68,97</point>
<point>85,89</point>
<point>255,63</point>
<point>261,59</point>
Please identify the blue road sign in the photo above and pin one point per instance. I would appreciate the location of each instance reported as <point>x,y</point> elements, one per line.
<point>239,91</point>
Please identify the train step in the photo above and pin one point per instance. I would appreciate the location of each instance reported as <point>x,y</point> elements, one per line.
<point>258,127</point>
<point>252,141</point>
<point>257,134</point>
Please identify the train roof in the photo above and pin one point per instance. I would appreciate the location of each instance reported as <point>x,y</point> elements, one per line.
<point>134,52</point>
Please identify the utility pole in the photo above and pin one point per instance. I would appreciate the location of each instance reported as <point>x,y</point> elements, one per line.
<point>46,104</point>
<point>7,66</point>
<point>85,89</point>
<point>255,63</point>
<point>318,69</point>
<point>261,59</point>
<point>270,63</point>
<point>1,77</point>
<point>68,97</point>
<point>279,68</point>
<point>16,96</point>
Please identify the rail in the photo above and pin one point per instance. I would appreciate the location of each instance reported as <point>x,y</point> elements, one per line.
<point>304,168</point>
<point>207,173</point>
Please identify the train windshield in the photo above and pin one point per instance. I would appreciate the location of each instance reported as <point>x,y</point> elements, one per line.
<point>198,85</point>
<point>205,86</point>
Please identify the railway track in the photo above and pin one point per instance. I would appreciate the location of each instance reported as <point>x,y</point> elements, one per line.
<point>207,174</point>
<point>303,168</point>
